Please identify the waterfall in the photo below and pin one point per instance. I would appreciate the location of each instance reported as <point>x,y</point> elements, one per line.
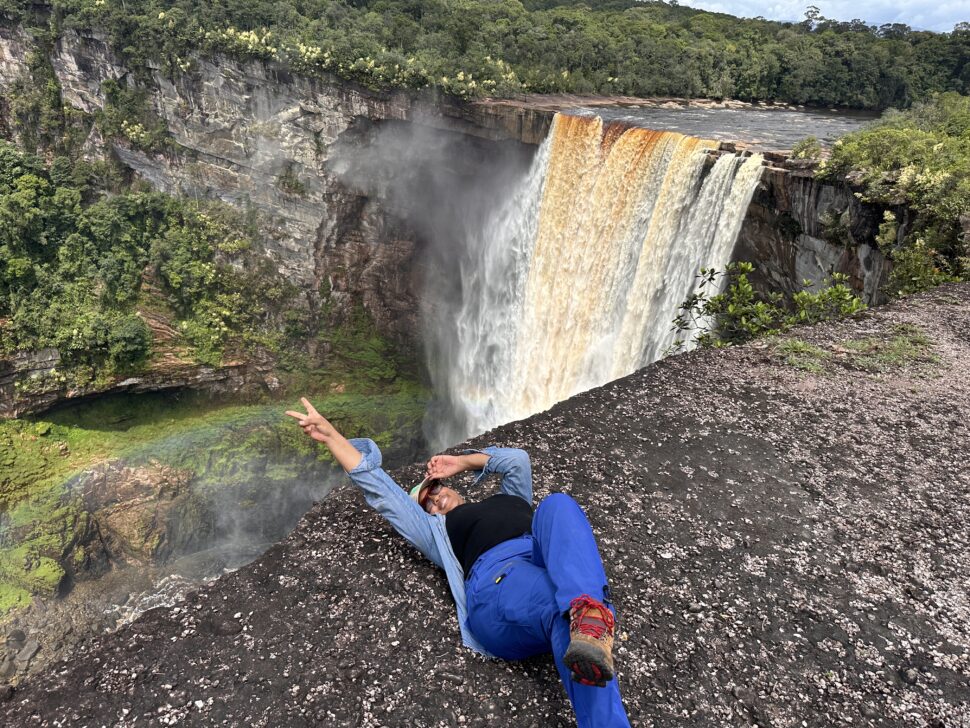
<point>576,279</point>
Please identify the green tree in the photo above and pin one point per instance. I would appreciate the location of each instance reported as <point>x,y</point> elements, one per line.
<point>919,159</point>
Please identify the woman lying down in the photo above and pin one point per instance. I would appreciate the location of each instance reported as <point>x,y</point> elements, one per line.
<point>525,583</point>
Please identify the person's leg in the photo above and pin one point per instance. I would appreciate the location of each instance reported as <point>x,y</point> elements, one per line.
<point>594,706</point>
<point>512,611</point>
<point>564,544</point>
<point>563,541</point>
<point>510,606</point>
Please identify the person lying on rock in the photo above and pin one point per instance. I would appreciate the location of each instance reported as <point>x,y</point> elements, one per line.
<point>524,583</point>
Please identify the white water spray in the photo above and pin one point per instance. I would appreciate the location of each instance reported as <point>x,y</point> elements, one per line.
<point>577,278</point>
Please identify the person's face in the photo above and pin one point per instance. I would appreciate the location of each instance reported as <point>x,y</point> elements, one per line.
<point>441,499</point>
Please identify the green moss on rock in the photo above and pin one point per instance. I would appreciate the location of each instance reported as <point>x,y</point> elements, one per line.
<point>228,452</point>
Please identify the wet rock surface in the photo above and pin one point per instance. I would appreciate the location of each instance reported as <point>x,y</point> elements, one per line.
<point>785,548</point>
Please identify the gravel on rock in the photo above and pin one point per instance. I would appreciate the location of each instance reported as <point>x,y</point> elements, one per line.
<point>787,546</point>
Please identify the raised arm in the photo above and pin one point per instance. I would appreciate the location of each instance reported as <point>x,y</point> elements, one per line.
<point>319,428</point>
<point>361,458</point>
<point>444,466</point>
<point>511,463</point>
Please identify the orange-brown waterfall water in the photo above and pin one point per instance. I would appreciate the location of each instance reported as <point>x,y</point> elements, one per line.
<point>593,257</point>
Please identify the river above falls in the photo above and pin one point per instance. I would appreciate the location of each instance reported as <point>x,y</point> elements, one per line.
<point>756,128</point>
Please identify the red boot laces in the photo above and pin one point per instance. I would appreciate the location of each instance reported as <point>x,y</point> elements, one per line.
<point>588,624</point>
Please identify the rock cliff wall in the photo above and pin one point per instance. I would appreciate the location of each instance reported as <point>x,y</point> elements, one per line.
<point>798,228</point>
<point>257,136</point>
<point>29,380</point>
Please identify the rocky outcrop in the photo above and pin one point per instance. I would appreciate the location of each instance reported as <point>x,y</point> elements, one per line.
<point>37,367</point>
<point>134,532</point>
<point>798,228</point>
<point>786,546</point>
<point>30,382</point>
<point>133,507</point>
<point>15,44</point>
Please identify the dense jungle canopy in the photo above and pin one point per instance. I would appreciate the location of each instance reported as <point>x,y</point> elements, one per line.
<point>501,47</point>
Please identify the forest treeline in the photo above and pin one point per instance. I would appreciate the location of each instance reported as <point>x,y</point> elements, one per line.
<point>503,47</point>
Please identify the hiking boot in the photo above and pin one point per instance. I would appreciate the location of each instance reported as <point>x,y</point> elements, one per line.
<point>590,653</point>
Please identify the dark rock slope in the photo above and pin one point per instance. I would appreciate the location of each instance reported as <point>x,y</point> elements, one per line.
<point>785,527</point>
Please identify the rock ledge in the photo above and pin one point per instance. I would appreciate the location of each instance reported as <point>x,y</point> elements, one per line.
<point>786,548</point>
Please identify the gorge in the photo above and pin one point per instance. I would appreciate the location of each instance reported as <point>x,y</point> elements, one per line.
<point>254,134</point>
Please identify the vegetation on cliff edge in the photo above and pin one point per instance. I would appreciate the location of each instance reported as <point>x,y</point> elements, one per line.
<point>915,164</point>
<point>726,309</point>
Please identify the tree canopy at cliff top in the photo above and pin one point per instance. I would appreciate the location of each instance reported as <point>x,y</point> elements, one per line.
<point>501,47</point>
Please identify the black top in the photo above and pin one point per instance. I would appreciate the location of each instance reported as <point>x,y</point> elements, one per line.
<point>473,528</point>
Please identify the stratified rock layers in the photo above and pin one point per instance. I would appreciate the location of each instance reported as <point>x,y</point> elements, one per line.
<point>798,229</point>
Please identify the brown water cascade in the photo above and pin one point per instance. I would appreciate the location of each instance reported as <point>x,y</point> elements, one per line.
<point>583,269</point>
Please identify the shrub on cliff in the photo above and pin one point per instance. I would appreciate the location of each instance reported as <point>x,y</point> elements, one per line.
<point>129,341</point>
<point>915,164</point>
<point>727,310</point>
<point>126,114</point>
<point>807,148</point>
<point>75,268</point>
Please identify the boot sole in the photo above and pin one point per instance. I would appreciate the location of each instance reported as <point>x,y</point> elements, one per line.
<point>587,665</point>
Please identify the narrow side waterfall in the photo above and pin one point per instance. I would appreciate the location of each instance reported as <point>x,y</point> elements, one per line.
<point>576,280</point>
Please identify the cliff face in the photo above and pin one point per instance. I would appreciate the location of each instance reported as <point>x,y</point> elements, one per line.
<point>255,135</point>
<point>798,229</point>
<point>29,383</point>
<point>259,137</point>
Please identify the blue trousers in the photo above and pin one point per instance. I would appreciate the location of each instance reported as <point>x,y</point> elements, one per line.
<point>519,591</point>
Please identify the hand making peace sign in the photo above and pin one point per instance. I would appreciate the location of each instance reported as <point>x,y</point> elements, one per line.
<point>313,423</point>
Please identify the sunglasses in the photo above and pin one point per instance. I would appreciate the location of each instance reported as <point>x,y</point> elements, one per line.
<point>432,491</point>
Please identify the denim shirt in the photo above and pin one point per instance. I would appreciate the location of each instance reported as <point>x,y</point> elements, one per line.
<point>426,532</point>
